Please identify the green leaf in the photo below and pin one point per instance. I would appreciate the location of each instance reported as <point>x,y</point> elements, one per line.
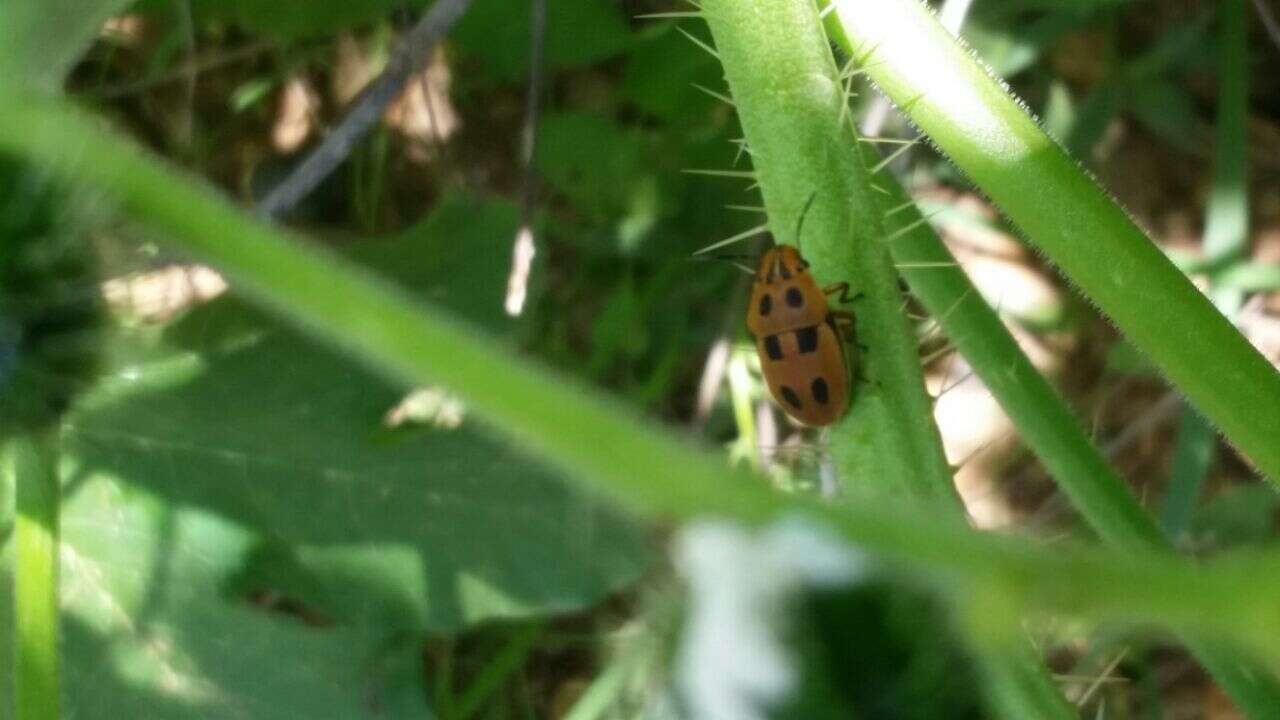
<point>420,528</point>
<point>648,79</point>
<point>619,332</point>
<point>578,152</point>
<point>429,528</point>
<point>578,32</point>
<point>147,631</point>
<point>289,19</point>
<point>1167,109</point>
<point>147,634</point>
<point>1011,36</point>
<point>458,257</point>
<point>1239,515</point>
<point>590,160</point>
<point>40,40</point>
<point>1008,53</point>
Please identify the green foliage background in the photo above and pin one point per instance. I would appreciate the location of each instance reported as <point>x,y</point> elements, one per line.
<point>242,534</point>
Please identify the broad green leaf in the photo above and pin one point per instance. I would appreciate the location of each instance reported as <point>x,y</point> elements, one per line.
<point>1006,52</point>
<point>593,162</point>
<point>40,40</point>
<point>647,80</point>
<point>227,459</point>
<point>422,529</point>
<point>1244,514</point>
<point>425,527</point>
<point>578,32</point>
<point>458,256</point>
<point>289,19</point>
<point>1167,109</point>
<point>148,631</point>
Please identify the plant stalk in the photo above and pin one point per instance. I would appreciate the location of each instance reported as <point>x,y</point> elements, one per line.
<point>791,101</point>
<point>792,104</point>
<point>30,460</point>
<point>989,135</point>
<point>1094,488</point>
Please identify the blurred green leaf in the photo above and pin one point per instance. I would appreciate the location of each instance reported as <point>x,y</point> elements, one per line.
<point>619,333</point>
<point>1251,276</point>
<point>148,633</point>
<point>579,32</point>
<point>228,459</point>
<point>591,161</point>
<point>40,40</point>
<point>651,66</point>
<point>1012,36</point>
<point>1059,113</point>
<point>1006,53</point>
<point>289,19</point>
<point>458,257</point>
<point>1166,108</point>
<point>416,528</point>
<point>873,653</point>
<point>1239,515</point>
<point>429,529</point>
<point>1123,358</point>
<point>1193,455</point>
<point>1092,116</point>
<point>250,93</point>
<point>1181,45</point>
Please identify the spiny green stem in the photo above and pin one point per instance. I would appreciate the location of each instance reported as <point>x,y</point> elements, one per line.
<point>1042,418</point>
<point>990,136</point>
<point>792,106</point>
<point>987,134</point>
<point>787,90</point>
<point>1047,426</point>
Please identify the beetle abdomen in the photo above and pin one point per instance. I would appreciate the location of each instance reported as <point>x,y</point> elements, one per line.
<point>805,371</point>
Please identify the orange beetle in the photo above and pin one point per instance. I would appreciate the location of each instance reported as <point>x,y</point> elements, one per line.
<point>801,340</point>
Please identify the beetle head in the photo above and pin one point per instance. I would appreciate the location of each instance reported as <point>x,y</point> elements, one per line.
<point>781,262</point>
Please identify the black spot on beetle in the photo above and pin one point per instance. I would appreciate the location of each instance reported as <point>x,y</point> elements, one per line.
<point>790,396</point>
<point>766,304</point>
<point>795,298</point>
<point>807,338</point>
<point>773,348</point>
<point>820,392</point>
<point>783,271</point>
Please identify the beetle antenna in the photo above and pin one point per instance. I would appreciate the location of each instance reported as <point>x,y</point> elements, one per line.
<point>800,223</point>
<point>731,259</point>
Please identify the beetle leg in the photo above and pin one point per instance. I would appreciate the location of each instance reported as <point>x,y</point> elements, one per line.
<point>845,323</point>
<point>843,289</point>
